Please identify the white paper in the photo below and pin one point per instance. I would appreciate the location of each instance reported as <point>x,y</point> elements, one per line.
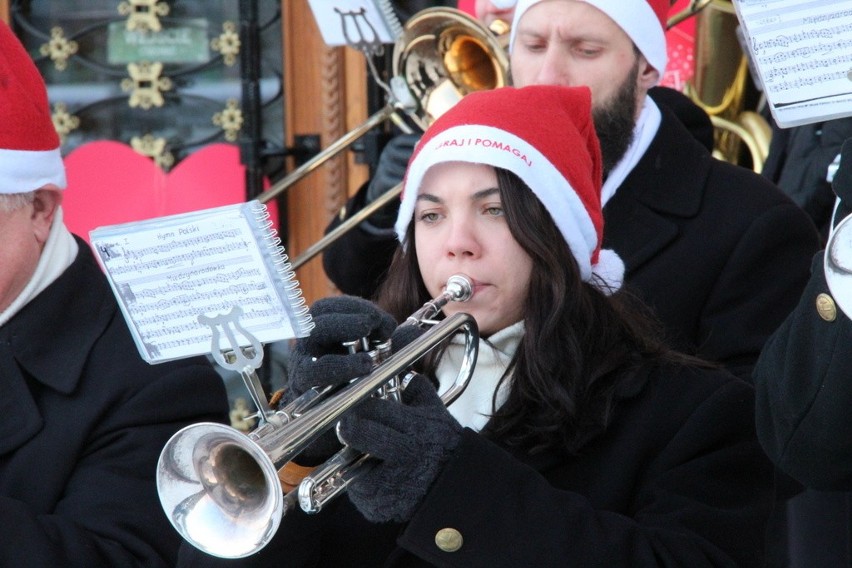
<point>802,50</point>
<point>167,271</point>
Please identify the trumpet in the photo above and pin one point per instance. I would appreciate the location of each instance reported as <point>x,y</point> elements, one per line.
<point>220,488</point>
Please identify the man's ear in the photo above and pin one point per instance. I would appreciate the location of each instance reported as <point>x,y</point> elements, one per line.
<point>648,76</point>
<point>45,205</point>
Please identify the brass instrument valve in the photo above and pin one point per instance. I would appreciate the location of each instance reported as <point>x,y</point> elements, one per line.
<point>379,351</point>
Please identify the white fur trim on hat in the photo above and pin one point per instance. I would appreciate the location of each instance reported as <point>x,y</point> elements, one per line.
<point>480,144</point>
<point>635,17</point>
<point>22,171</point>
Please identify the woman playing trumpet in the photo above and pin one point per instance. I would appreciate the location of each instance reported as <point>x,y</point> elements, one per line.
<point>581,439</point>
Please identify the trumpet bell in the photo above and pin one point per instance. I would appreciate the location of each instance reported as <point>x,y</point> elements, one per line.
<point>444,54</point>
<point>219,490</point>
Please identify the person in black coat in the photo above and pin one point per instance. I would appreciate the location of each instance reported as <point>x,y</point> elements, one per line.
<point>83,418</point>
<point>581,439</point>
<point>803,398</point>
<point>718,252</point>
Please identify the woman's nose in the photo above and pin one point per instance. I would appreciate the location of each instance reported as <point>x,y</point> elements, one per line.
<point>462,240</point>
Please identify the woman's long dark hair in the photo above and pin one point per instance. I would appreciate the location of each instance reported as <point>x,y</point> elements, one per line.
<point>580,346</point>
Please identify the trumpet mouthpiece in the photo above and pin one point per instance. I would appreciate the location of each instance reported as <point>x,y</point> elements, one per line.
<point>460,288</point>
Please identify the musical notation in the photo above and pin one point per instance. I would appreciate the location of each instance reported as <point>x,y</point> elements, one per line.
<point>167,272</point>
<point>805,37</point>
<point>801,49</point>
<point>805,54</point>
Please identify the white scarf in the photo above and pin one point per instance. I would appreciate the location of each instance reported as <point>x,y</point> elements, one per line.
<point>59,252</point>
<point>644,131</point>
<point>474,407</point>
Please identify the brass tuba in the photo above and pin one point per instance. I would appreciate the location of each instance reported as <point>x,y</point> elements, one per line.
<point>721,81</point>
<point>220,488</point>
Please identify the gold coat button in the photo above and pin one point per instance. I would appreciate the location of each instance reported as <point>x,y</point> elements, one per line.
<point>448,540</point>
<point>826,308</point>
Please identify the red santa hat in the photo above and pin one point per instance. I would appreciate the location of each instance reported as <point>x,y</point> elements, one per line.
<point>29,146</point>
<point>543,134</point>
<point>644,21</point>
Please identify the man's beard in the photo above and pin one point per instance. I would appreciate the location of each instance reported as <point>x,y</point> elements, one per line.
<point>615,120</point>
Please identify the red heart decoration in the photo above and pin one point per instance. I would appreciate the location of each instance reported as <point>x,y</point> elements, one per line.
<point>110,183</point>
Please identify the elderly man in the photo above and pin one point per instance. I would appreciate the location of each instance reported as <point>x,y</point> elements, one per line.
<point>718,252</point>
<point>82,418</point>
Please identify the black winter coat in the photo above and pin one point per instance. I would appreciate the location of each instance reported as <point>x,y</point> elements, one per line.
<point>804,392</point>
<point>719,253</point>
<point>678,479</point>
<point>803,422</point>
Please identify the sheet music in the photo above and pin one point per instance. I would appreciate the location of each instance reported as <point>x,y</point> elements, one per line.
<point>166,272</point>
<point>802,50</point>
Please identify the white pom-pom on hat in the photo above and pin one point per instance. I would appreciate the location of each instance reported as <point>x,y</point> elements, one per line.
<point>610,270</point>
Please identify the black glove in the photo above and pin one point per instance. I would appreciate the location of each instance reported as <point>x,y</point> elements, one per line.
<point>410,443</point>
<point>842,183</point>
<point>321,359</point>
<point>389,173</point>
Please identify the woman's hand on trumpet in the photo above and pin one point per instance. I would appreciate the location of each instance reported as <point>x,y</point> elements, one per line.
<point>322,359</point>
<point>410,443</point>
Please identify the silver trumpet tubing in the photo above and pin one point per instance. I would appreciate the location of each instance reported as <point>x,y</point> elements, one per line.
<point>220,488</point>
<point>838,265</point>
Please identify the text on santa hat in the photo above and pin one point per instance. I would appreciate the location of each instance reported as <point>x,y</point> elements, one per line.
<point>485,143</point>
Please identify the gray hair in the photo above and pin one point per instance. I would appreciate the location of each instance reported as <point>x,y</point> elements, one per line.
<point>10,202</point>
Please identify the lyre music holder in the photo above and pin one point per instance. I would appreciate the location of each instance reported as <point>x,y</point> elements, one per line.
<point>362,36</point>
<point>243,359</point>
